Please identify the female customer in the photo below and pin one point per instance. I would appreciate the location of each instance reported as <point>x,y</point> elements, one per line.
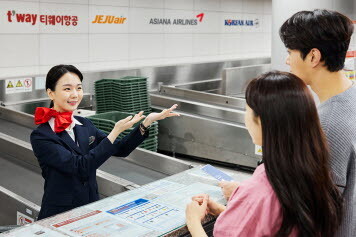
<point>291,193</point>
<point>70,148</point>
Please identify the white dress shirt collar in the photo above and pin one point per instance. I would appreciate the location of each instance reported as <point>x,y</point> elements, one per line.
<point>69,128</point>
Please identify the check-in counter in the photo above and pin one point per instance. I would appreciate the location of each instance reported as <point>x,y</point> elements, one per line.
<point>155,209</point>
<point>21,183</point>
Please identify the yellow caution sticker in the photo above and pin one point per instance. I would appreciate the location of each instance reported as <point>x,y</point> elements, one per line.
<point>258,150</point>
<point>19,84</point>
<point>10,85</point>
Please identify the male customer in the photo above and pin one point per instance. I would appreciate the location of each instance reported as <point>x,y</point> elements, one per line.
<point>317,42</point>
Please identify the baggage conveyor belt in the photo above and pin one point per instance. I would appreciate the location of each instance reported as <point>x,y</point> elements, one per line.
<point>21,182</point>
<point>15,130</point>
<point>21,179</point>
<point>115,166</point>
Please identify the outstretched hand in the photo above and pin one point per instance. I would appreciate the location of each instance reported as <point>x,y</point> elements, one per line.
<point>152,117</point>
<point>129,121</point>
<point>124,124</point>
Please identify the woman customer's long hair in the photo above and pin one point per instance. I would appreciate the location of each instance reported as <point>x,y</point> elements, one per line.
<point>295,154</point>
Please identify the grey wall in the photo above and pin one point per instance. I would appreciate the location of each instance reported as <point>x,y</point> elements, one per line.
<point>34,49</point>
<point>174,74</point>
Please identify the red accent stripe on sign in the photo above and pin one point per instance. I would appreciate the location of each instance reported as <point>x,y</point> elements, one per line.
<point>76,219</point>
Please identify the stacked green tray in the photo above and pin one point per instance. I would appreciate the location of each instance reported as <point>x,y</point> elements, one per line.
<point>128,94</point>
<point>106,122</point>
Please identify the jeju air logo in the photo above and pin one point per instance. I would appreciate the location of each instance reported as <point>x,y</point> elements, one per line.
<point>104,19</point>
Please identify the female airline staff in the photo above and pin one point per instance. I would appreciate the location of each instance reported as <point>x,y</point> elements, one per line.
<point>291,193</point>
<point>70,148</point>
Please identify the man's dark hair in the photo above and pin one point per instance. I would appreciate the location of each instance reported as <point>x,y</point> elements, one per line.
<point>328,31</point>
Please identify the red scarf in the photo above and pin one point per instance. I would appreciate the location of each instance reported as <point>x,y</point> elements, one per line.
<point>61,120</point>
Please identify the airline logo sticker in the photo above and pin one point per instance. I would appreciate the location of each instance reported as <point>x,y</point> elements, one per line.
<point>33,19</point>
<point>242,22</point>
<point>18,85</point>
<point>181,21</point>
<point>106,19</point>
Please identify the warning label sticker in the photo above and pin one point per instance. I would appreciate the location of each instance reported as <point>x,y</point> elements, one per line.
<point>23,219</point>
<point>10,85</point>
<point>258,150</point>
<point>18,85</point>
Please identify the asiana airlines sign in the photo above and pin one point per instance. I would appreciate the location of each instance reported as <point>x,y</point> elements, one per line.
<point>177,21</point>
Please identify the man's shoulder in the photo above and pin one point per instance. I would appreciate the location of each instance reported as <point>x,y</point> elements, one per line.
<point>337,118</point>
<point>346,97</point>
<point>341,107</point>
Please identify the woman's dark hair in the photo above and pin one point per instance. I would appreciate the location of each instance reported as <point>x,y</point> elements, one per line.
<point>56,72</point>
<point>295,154</point>
<point>328,31</point>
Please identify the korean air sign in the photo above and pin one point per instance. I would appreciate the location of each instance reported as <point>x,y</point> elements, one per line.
<point>242,22</point>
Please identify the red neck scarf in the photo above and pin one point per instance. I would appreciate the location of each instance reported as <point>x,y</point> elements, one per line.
<point>61,120</point>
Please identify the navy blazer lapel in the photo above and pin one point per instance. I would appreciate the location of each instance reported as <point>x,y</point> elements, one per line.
<point>64,136</point>
<point>82,134</point>
<point>69,141</point>
<point>48,130</point>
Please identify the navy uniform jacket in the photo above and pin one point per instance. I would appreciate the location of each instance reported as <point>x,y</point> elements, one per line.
<point>70,170</point>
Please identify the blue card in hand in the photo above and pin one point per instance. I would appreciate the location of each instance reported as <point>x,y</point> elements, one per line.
<point>216,173</point>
